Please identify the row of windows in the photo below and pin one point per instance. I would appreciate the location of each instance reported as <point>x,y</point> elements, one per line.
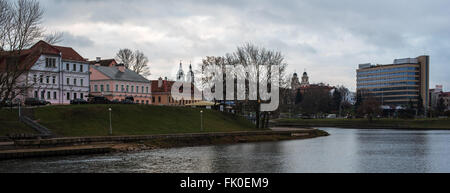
<point>387,70</point>
<point>388,75</point>
<point>123,88</point>
<point>393,88</point>
<point>401,98</point>
<point>387,84</point>
<point>51,63</point>
<point>53,80</point>
<point>74,67</point>
<point>54,95</point>
<point>395,93</point>
<point>388,79</point>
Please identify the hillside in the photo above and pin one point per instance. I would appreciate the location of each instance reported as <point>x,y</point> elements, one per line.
<point>93,120</point>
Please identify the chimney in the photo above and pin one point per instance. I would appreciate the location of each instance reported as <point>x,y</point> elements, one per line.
<point>121,67</point>
<point>98,59</point>
<point>160,82</point>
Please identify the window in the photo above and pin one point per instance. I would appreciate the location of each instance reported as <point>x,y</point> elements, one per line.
<point>95,88</point>
<point>107,88</point>
<point>74,95</point>
<point>122,88</point>
<point>146,89</point>
<point>41,78</point>
<point>132,88</point>
<point>159,99</point>
<point>142,89</point>
<point>75,81</point>
<point>47,79</point>
<point>81,95</point>
<point>68,96</point>
<point>35,78</point>
<point>74,67</point>
<point>153,100</point>
<point>42,94</point>
<point>54,95</point>
<point>101,88</point>
<point>117,88</point>
<point>146,102</point>
<point>48,95</point>
<point>54,79</point>
<point>68,81</point>
<point>67,66</point>
<point>36,94</point>
<point>137,101</point>
<point>81,68</point>
<point>81,82</point>
<point>137,89</point>
<point>50,62</point>
<point>128,86</point>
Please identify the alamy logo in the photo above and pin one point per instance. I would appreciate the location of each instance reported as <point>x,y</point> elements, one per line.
<point>243,83</point>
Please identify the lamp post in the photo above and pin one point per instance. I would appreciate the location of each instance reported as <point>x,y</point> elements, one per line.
<point>201,120</point>
<point>110,122</point>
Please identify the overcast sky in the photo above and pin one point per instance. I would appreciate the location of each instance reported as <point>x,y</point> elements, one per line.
<point>328,38</point>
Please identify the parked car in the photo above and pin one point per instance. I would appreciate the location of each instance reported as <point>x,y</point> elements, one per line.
<point>78,102</point>
<point>35,102</point>
<point>99,100</point>
<point>115,102</point>
<point>127,102</point>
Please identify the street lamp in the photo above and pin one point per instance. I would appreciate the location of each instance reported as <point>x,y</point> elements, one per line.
<point>110,123</point>
<point>201,120</point>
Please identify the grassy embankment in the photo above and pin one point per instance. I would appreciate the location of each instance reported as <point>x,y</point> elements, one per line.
<point>365,123</point>
<point>93,120</point>
<point>10,124</point>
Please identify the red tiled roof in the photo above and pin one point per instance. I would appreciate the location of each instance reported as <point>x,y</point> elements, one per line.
<point>28,57</point>
<point>107,62</point>
<point>70,54</point>
<point>166,86</point>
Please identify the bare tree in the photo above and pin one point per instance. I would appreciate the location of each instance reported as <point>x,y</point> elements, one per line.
<point>140,64</point>
<point>135,61</point>
<point>19,28</point>
<point>126,57</point>
<point>254,58</point>
<point>54,37</point>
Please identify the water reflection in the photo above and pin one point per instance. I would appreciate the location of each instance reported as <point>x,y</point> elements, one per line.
<point>346,150</point>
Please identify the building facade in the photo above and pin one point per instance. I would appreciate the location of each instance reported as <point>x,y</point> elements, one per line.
<point>396,84</point>
<point>56,74</point>
<point>118,83</point>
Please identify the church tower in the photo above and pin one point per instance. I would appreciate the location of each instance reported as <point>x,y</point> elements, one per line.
<point>190,75</point>
<point>295,83</point>
<point>305,79</point>
<point>180,74</point>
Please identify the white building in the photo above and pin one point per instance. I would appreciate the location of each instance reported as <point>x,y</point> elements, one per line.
<point>57,74</point>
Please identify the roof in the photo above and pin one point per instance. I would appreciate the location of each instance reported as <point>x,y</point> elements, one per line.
<point>166,86</point>
<point>28,57</point>
<point>106,62</point>
<point>115,74</point>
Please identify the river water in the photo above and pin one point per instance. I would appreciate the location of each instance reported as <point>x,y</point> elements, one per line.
<point>346,150</point>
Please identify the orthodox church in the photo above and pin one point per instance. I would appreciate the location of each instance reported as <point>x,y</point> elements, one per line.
<point>182,77</point>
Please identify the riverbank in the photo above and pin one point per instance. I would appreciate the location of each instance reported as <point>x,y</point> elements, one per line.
<point>417,124</point>
<point>89,145</point>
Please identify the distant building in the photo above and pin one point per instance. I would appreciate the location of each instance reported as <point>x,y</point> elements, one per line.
<point>398,83</point>
<point>118,82</point>
<point>56,74</point>
<point>434,95</point>
<point>162,94</point>
<point>305,86</point>
<point>107,62</point>
<point>180,73</point>
<point>446,97</point>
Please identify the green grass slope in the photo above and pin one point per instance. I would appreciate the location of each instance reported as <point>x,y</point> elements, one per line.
<point>10,124</point>
<point>93,120</point>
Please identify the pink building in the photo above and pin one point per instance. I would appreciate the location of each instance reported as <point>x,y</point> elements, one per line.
<point>117,83</point>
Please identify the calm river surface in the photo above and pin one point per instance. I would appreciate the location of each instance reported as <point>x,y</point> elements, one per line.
<point>346,150</point>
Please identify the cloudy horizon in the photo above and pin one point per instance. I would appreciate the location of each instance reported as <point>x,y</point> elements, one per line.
<point>328,38</point>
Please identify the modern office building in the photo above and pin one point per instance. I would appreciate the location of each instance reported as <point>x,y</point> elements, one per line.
<point>396,84</point>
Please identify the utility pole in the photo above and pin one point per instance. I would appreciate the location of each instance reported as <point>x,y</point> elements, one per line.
<point>110,122</point>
